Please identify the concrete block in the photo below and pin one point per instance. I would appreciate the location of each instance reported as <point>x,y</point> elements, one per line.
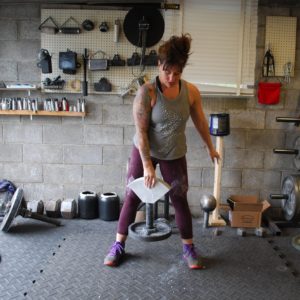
<point>207,178</point>
<point>41,153</point>
<point>8,71</point>
<point>265,139</point>
<point>195,176</point>
<point>106,175</point>
<point>241,158</point>
<point>94,115</point>
<point>25,173</point>
<point>62,134</point>
<point>252,179</point>
<point>73,190</point>
<point>271,119</point>
<point>82,154</point>
<point>259,179</point>
<point>42,119</point>
<point>254,119</point>
<point>18,11</point>
<point>42,191</point>
<point>292,100</point>
<point>117,114</point>
<point>129,132</point>
<point>61,174</point>
<point>10,119</point>
<point>116,155</point>
<point>291,137</point>
<point>193,138</point>
<point>236,139</point>
<point>29,29</point>
<point>103,135</point>
<point>278,161</point>
<point>20,50</point>
<point>108,99</point>
<point>229,178</point>
<point>10,152</point>
<point>8,30</point>
<point>29,72</point>
<point>198,157</point>
<point>272,179</point>
<point>22,133</point>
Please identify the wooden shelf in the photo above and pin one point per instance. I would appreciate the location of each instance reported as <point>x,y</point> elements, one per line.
<point>42,113</point>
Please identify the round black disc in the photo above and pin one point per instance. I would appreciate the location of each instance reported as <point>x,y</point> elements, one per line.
<point>138,231</point>
<point>149,15</point>
<point>13,211</point>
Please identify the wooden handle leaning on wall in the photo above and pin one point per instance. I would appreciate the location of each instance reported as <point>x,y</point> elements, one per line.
<point>215,219</point>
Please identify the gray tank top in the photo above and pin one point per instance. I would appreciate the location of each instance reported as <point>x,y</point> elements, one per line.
<point>167,125</point>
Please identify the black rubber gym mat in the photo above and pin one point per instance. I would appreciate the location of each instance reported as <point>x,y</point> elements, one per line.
<point>44,262</point>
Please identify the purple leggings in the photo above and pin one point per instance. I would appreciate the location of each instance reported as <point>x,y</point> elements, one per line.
<point>174,172</point>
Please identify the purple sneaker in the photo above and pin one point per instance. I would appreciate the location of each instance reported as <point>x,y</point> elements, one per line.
<point>115,255</point>
<point>191,257</point>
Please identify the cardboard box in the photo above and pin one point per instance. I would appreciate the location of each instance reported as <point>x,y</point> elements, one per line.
<point>246,210</point>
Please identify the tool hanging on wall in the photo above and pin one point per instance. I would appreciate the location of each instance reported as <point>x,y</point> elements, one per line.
<point>45,62</point>
<point>268,67</point>
<point>85,83</point>
<point>117,28</point>
<point>49,29</point>
<point>70,30</point>
<point>287,72</point>
<point>98,64</point>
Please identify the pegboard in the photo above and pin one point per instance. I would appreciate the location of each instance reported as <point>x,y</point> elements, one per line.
<point>281,39</point>
<point>121,78</point>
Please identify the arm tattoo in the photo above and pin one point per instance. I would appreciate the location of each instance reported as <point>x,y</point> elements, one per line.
<point>141,113</point>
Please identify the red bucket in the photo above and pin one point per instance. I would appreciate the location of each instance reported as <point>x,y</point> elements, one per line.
<point>268,92</point>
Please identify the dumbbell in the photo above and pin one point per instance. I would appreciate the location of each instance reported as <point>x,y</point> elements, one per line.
<point>208,203</point>
<point>17,207</point>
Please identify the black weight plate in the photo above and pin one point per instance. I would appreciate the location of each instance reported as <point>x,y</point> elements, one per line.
<point>13,211</point>
<point>156,25</point>
<point>139,232</point>
<point>291,206</point>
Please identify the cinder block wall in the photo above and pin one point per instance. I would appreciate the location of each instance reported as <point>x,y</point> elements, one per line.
<point>53,157</point>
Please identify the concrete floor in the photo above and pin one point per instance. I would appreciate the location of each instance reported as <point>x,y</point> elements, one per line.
<point>40,261</point>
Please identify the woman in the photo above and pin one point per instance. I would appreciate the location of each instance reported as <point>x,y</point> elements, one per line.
<point>161,109</point>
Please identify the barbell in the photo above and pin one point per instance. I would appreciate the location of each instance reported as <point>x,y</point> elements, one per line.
<point>290,198</point>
